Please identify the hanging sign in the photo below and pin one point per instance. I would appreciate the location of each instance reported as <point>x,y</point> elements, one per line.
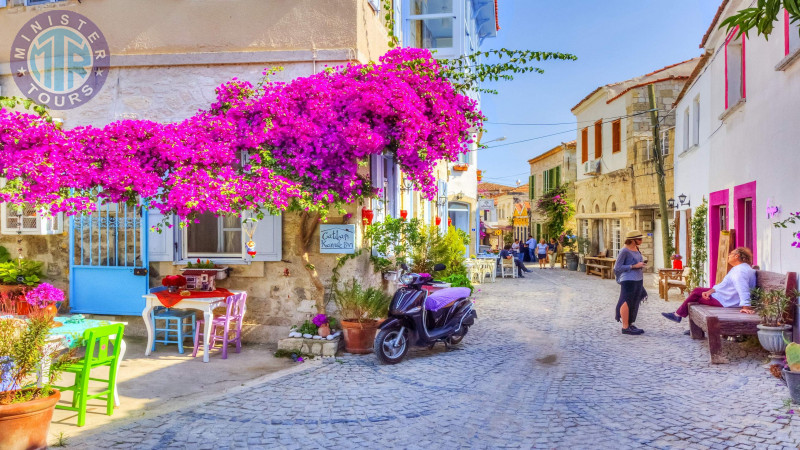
<point>337,238</point>
<point>485,203</point>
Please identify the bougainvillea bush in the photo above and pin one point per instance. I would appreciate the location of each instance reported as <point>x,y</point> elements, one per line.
<point>272,146</point>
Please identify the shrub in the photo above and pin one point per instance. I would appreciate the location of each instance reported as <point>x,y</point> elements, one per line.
<point>358,304</point>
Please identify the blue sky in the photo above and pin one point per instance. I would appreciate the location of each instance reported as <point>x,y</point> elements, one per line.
<point>614,40</point>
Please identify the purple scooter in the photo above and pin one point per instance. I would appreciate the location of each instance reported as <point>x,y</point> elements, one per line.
<point>416,318</point>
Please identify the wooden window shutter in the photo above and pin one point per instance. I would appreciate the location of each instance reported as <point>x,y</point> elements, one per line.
<point>616,136</point>
<point>598,139</point>
<point>584,145</point>
<point>530,186</point>
<point>558,176</point>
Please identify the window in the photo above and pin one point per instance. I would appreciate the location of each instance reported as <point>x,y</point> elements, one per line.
<point>584,145</point>
<point>598,139</point>
<point>384,176</point>
<point>551,179</point>
<point>616,136</point>
<point>25,220</point>
<point>532,187</point>
<point>431,24</point>
<point>791,32</point>
<point>665,142</point>
<point>747,217</point>
<point>214,237</point>
<point>723,218</point>
<point>616,236</point>
<point>696,121</point>
<point>686,129</point>
<point>734,69</point>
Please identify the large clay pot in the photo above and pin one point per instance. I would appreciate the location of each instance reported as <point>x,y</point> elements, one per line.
<point>24,426</point>
<point>359,337</point>
<point>572,261</point>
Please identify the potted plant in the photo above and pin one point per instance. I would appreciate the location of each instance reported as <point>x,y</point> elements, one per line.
<point>220,272</point>
<point>25,409</point>
<point>570,257</point>
<point>771,305</point>
<point>16,277</point>
<point>173,282</point>
<point>359,309</point>
<point>44,299</point>
<point>583,249</point>
<point>791,372</point>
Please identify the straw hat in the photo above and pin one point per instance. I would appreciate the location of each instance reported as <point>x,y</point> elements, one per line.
<point>634,234</point>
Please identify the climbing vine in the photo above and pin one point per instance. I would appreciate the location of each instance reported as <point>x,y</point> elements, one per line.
<point>697,265</point>
<point>792,219</point>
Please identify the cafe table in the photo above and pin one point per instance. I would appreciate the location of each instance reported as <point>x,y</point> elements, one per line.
<point>205,304</point>
<point>600,266</point>
<point>69,336</point>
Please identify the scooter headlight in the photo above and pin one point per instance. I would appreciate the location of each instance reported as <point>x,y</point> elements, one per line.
<point>407,278</point>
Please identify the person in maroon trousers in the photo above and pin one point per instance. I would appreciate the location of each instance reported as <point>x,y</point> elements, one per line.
<point>732,291</point>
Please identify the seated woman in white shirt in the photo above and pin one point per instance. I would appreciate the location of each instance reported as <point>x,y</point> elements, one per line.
<point>733,291</point>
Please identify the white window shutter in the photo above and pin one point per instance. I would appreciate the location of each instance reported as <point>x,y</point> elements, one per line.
<point>160,246</point>
<point>268,237</point>
<point>377,177</point>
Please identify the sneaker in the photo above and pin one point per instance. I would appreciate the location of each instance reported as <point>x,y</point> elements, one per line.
<point>687,333</point>
<point>634,328</point>
<point>632,331</point>
<point>673,317</point>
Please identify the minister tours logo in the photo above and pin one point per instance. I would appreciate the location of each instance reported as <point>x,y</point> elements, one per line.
<point>60,59</point>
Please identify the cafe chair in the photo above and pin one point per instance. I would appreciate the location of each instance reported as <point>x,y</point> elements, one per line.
<point>179,324</point>
<point>102,350</point>
<point>230,323</point>
<point>508,267</point>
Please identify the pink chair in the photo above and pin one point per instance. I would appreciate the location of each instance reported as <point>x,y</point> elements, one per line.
<point>230,322</point>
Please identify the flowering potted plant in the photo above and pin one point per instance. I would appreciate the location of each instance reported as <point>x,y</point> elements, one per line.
<point>173,282</point>
<point>323,324</point>
<point>25,409</point>
<point>207,266</point>
<point>44,298</point>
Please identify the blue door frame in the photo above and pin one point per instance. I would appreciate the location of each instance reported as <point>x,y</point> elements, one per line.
<point>108,260</point>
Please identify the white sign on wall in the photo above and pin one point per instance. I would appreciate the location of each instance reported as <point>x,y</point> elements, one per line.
<point>337,238</point>
<point>485,203</point>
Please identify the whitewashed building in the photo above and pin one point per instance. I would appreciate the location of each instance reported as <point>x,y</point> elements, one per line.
<point>737,140</point>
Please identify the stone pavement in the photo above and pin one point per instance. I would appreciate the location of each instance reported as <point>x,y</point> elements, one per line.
<point>545,366</point>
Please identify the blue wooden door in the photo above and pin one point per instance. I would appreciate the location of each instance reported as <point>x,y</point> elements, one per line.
<point>108,260</point>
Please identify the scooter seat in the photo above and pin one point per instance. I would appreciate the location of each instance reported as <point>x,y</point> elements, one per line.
<point>445,297</point>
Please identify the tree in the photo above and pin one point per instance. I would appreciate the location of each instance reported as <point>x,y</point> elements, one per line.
<point>762,16</point>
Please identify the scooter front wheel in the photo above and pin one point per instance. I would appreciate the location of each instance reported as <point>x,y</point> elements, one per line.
<point>391,346</point>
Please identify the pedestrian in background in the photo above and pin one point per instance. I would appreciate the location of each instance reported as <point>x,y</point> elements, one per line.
<point>515,247</point>
<point>531,247</point>
<point>553,249</point>
<point>628,270</point>
<point>541,251</point>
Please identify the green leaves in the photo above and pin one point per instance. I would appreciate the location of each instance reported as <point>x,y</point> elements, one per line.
<point>467,71</point>
<point>761,17</point>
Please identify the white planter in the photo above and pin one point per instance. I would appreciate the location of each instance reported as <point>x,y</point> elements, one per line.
<point>222,272</point>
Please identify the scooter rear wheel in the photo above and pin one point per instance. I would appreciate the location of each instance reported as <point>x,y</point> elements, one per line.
<point>456,339</point>
<point>385,348</point>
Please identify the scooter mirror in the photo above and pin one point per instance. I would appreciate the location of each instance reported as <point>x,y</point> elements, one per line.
<point>439,267</point>
<point>404,266</point>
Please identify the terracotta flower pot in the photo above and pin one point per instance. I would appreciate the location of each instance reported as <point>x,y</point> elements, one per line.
<point>24,426</point>
<point>359,337</point>
<point>366,216</point>
<point>403,214</point>
<point>50,310</point>
<point>324,330</point>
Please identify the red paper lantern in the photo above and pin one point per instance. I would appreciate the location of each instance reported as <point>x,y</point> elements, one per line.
<point>403,214</point>
<point>438,221</point>
<point>366,216</point>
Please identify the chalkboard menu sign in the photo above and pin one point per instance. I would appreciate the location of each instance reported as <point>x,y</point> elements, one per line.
<point>337,238</point>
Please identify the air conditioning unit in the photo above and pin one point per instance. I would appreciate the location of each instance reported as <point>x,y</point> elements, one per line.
<point>592,167</point>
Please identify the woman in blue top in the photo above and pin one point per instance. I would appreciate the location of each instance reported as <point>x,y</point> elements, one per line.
<point>541,250</point>
<point>628,269</point>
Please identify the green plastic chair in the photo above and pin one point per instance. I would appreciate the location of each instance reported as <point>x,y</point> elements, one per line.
<point>98,354</point>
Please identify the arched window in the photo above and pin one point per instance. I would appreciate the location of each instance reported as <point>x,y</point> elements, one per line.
<point>613,207</point>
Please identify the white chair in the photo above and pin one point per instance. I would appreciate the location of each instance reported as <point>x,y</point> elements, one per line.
<point>489,268</point>
<point>507,266</point>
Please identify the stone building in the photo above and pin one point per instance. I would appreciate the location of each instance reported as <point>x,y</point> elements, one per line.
<point>512,213</point>
<point>549,170</point>
<point>616,188</point>
<point>163,61</point>
<point>490,217</point>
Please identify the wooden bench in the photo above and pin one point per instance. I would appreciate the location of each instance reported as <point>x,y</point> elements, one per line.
<point>717,322</point>
<point>599,270</point>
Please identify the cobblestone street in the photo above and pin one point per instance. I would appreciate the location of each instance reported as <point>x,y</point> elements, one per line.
<point>545,366</point>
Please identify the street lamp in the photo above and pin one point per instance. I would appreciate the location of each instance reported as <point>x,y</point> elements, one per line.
<point>407,186</point>
<point>671,203</point>
<point>502,138</point>
<point>683,199</point>
<point>441,201</point>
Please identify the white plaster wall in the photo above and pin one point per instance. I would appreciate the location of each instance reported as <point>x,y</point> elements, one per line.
<point>595,109</point>
<point>758,141</point>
